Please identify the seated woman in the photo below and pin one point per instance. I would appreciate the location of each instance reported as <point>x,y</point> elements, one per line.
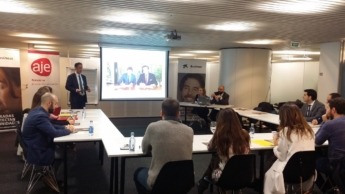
<point>228,140</point>
<point>294,135</point>
<point>202,112</point>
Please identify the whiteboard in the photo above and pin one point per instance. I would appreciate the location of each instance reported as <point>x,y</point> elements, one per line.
<point>91,78</point>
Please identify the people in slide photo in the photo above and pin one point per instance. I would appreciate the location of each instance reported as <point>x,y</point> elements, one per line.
<point>128,78</point>
<point>147,79</point>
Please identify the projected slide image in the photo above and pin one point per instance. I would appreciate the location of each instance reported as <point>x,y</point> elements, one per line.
<point>133,74</point>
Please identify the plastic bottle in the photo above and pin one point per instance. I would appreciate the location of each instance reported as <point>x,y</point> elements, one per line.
<point>91,129</point>
<point>132,142</point>
<point>83,114</point>
<point>252,130</point>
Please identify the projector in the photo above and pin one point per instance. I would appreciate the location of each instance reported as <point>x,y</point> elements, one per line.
<point>173,36</point>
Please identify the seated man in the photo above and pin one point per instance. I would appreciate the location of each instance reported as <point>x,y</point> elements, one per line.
<point>146,78</point>
<point>39,132</point>
<point>128,78</point>
<point>334,132</point>
<point>221,98</point>
<point>312,108</point>
<point>167,140</point>
<point>326,116</point>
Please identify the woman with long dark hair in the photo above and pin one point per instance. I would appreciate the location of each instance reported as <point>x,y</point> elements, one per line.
<point>294,135</point>
<point>228,140</point>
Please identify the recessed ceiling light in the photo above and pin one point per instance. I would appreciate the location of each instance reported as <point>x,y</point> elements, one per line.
<point>292,52</point>
<point>31,35</point>
<point>260,42</point>
<point>18,7</point>
<point>298,7</point>
<point>132,18</point>
<point>44,46</point>
<point>233,26</point>
<point>117,32</point>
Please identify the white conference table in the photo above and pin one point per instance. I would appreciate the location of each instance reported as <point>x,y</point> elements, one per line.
<point>103,127</point>
<point>195,105</point>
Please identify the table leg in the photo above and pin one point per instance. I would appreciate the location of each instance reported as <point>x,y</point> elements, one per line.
<point>111,190</point>
<point>100,152</point>
<point>65,167</point>
<point>122,174</point>
<point>116,176</point>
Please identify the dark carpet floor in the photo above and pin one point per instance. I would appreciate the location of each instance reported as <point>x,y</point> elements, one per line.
<point>86,175</point>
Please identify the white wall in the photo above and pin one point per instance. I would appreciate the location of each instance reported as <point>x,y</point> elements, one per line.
<point>329,69</point>
<point>290,79</point>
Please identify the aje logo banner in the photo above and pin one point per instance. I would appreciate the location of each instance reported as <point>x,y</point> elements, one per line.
<point>42,67</point>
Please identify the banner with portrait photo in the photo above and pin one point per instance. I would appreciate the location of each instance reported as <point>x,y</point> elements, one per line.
<point>10,89</point>
<point>191,77</point>
<point>44,71</point>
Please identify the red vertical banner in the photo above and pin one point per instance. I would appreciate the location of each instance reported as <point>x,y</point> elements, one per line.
<point>44,71</point>
<point>10,89</point>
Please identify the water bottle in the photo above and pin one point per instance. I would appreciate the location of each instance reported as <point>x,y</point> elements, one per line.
<point>252,130</point>
<point>132,142</point>
<point>91,128</point>
<point>83,113</point>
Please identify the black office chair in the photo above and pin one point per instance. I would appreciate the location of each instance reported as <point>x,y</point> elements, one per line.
<point>338,174</point>
<point>238,173</point>
<point>19,131</point>
<point>175,177</point>
<point>299,168</point>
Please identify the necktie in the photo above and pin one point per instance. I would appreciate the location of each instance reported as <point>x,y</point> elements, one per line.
<point>308,110</point>
<point>81,84</point>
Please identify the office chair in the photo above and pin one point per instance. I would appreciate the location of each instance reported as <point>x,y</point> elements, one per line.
<point>238,173</point>
<point>27,166</point>
<point>299,168</point>
<point>338,174</point>
<point>175,177</point>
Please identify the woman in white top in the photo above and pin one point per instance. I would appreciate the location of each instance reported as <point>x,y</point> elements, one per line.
<point>294,135</point>
<point>229,139</point>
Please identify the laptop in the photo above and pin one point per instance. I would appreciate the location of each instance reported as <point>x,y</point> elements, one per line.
<point>204,100</point>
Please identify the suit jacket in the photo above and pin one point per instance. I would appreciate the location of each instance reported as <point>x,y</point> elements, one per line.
<point>77,101</point>
<point>128,79</point>
<point>38,135</point>
<point>317,110</point>
<point>223,101</point>
<point>152,79</point>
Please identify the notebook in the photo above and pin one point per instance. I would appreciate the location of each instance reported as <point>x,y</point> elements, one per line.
<point>204,100</point>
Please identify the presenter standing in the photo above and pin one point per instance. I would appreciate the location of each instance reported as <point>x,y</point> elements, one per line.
<point>76,84</point>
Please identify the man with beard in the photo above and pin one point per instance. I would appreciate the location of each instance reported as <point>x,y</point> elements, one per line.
<point>221,98</point>
<point>189,87</point>
<point>333,131</point>
<point>39,132</point>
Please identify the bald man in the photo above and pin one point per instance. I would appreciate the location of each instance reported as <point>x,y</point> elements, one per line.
<point>219,97</point>
<point>39,133</point>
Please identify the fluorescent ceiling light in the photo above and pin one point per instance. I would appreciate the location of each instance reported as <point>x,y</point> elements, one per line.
<point>18,7</point>
<point>44,46</point>
<point>38,42</point>
<point>298,7</point>
<point>297,58</point>
<point>31,35</point>
<point>185,55</point>
<point>132,18</point>
<point>117,32</point>
<point>90,49</point>
<point>203,51</point>
<point>292,52</point>
<point>260,42</point>
<point>233,26</point>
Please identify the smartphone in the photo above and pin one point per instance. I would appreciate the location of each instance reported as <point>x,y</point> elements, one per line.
<point>124,147</point>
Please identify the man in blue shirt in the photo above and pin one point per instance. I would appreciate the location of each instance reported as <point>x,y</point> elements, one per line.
<point>334,132</point>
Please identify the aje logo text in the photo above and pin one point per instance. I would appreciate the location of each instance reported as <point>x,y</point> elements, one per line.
<point>41,67</point>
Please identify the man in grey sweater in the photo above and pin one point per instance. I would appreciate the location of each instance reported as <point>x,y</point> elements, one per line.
<point>167,140</point>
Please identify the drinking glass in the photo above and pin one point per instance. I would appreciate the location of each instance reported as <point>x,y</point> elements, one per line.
<point>213,125</point>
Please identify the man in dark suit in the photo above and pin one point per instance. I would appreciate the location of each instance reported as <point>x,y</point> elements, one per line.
<point>312,108</point>
<point>219,97</point>
<point>77,86</point>
<point>128,78</point>
<point>147,78</point>
<point>39,132</point>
